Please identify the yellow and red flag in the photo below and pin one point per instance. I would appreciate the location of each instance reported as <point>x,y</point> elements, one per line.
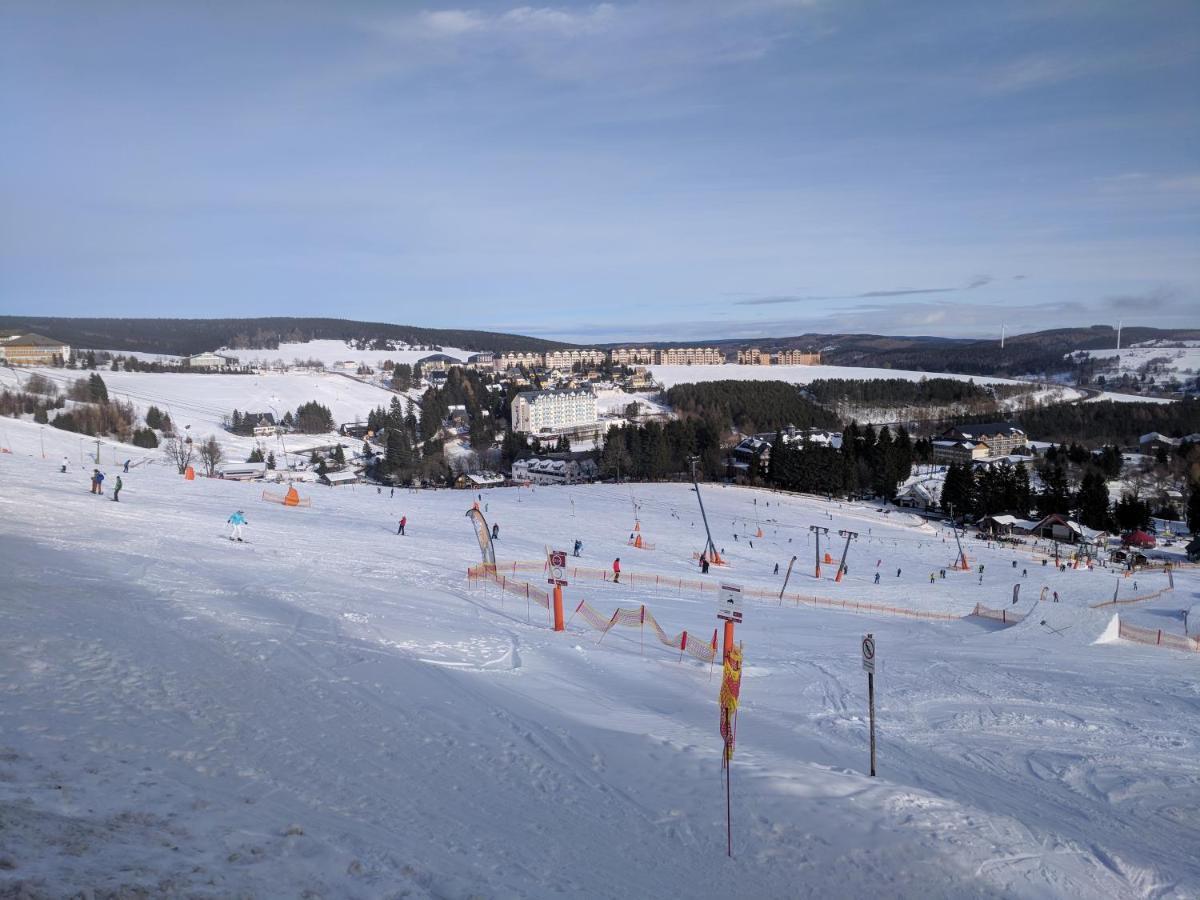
<point>731,686</point>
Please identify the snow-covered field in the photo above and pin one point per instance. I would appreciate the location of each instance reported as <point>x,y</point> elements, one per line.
<point>331,352</point>
<point>669,376</point>
<point>1177,362</point>
<point>1125,398</point>
<point>197,403</point>
<point>330,710</point>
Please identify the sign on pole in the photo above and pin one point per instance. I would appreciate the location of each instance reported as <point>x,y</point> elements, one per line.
<point>558,568</point>
<point>868,654</point>
<point>729,600</point>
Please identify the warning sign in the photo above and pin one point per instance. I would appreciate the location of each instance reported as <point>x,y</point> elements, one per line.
<point>729,601</point>
<point>558,567</point>
<point>868,653</point>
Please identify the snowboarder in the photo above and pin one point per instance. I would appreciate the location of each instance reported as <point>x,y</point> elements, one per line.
<point>117,490</point>
<point>617,570</point>
<point>403,523</point>
<point>236,522</point>
<point>126,467</point>
<point>578,547</point>
<point>66,462</point>
<point>495,531</point>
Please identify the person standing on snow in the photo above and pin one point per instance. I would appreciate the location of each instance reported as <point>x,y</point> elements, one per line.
<point>495,531</point>
<point>126,467</point>
<point>117,490</point>
<point>236,523</point>
<point>617,570</point>
<point>578,547</point>
<point>99,482</point>
<point>403,523</point>
<point>66,462</point>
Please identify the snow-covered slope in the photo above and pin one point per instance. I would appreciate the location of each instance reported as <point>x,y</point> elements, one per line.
<point>198,403</point>
<point>331,352</point>
<point>330,710</point>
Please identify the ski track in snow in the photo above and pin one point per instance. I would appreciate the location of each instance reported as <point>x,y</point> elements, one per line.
<point>332,710</point>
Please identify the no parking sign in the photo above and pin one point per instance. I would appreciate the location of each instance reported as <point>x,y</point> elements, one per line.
<point>868,653</point>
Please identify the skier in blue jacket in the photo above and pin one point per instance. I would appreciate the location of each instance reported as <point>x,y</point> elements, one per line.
<point>236,521</point>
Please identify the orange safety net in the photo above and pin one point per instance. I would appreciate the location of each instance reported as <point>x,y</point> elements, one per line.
<point>1157,637</point>
<point>641,579</point>
<point>1140,598</point>
<point>291,498</point>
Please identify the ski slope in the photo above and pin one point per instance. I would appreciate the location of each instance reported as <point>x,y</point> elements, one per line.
<point>197,404</point>
<point>330,709</point>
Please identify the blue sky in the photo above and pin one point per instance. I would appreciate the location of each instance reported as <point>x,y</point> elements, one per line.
<point>616,171</point>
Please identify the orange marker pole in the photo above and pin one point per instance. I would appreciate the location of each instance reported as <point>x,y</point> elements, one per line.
<point>728,643</point>
<point>558,609</point>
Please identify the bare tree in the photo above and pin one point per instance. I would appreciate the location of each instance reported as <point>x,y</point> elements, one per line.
<point>210,455</point>
<point>179,453</point>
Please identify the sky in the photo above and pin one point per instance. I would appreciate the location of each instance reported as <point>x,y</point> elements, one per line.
<point>606,171</point>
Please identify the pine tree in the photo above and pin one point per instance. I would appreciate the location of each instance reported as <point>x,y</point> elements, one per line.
<point>1092,500</point>
<point>271,460</point>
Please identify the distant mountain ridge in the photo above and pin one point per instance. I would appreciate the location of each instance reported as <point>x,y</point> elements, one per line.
<point>181,337</point>
<point>1036,353</point>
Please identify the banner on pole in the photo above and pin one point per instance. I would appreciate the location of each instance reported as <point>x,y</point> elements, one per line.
<point>731,686</point>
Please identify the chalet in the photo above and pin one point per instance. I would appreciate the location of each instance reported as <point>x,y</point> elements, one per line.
<point>924,494</point>
<point>438,362</point>
<point>1154,441</point>
<point>340,479</point>
<point>261,424</point>
<point>33,350</point>
<point>359,430</point>
<point>1005,526</point>
<point>997,439</point>
<point>1059,528</point>
<point>556,468</point>
<point>473,481</point>
<point>211,361</point>
<point>244,471</point>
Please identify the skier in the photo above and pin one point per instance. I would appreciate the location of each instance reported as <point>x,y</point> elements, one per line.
<point>617,570</point>
<point>704,564</point>
<point>99,482</point>
<point>776,572</point>
<point>495,531</point>
<point>117,490</point>
<point>391,493</point>
<point>66,462</point>
<point>578,547</point>
<point>931,578</point>
<point>1024,573</point>
<point>236,522</point>
<point>1056,596</point>
<point>877,578</point>
<point>897,573</point>
<point>403,523</point>
<point>126,467</point>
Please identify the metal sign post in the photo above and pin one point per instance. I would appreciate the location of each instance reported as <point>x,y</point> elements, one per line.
<point>558,567</point>
<point>729,609</point>
<point>868,663</point>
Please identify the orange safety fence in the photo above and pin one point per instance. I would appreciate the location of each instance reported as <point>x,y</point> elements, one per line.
<point>1140,598</point>
<point>635,580</point>
<point>635,618</point>
<point>1157,637</point>
<point>1000,615</point>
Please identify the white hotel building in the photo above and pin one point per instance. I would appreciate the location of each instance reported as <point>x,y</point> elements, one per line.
<point>554,412</point>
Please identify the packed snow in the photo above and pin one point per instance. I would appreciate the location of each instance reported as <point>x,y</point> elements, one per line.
<point>332,710</point>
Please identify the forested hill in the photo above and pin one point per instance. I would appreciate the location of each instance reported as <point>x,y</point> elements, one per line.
<point>185,336</point>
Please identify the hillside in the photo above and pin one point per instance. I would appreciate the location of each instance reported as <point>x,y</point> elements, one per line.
<point>334,710</point>
<point>184,336</point>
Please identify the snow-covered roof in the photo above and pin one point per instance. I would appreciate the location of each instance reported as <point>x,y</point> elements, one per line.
<point>342,477</point>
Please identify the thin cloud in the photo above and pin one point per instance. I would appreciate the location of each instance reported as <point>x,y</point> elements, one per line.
<point>977,282</point>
